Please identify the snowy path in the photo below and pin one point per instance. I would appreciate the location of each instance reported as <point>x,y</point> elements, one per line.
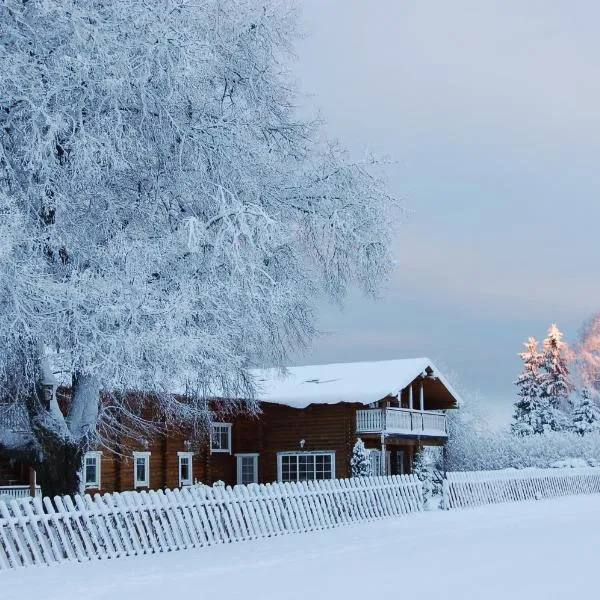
<point>539,550</point>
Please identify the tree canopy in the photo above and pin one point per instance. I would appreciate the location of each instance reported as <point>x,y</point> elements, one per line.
<point>174,221</point>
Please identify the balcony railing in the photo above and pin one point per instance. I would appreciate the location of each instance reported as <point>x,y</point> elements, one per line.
<point>12,492</point>
<point>401,421</point>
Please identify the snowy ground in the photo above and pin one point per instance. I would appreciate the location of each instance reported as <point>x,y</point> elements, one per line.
<point>538,550</point>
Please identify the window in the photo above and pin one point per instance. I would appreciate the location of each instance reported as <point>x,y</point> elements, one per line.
<point>91,469</point>
<point>185,468</point>
<point>247,468</point>
<point>141,469</point>
<point>304,466</point>
<point>220,440</point>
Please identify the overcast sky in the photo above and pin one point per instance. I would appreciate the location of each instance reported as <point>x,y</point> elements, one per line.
<point>492,110</point>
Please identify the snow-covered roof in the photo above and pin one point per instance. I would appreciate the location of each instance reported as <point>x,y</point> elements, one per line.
<point>361,382</point>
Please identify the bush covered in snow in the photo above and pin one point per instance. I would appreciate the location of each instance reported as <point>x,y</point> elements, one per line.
<point>360,462</point>
<point>425,467</point>
<point>473,445</point>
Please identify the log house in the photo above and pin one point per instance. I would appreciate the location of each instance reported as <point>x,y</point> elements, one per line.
<point>310,420</point>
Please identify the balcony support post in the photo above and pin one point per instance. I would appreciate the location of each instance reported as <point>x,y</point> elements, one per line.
<point>421,398</point>
<point>32,481</point>
<point>410,397</point>
<point>383,453</point>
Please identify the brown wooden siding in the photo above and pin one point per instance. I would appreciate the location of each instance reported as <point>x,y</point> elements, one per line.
<point>277,429</point>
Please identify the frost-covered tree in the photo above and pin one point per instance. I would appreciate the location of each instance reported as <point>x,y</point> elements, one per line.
<point>585,417</point>
<point>424,468</point>
<point>179,220</point>
<point>475,445</point>
<point>526,417</point>
<point>587,353</point>
<point>556,385</point>
<point>360,462</point>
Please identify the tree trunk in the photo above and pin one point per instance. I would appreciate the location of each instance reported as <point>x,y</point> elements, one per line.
<point>62,440</point>
<point>58,468</point>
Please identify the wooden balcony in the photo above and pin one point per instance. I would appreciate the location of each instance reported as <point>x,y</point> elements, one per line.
<point>401,421</point>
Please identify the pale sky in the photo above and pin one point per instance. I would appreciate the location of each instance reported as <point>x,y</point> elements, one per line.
<point>492,111</point>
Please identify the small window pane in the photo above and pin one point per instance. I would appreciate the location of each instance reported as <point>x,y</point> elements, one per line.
<point>185,468</point>
<point>220,438</point>
<point>323,466</point>
<point>140,472</point>
<point>248,468</point>
<point>91,468</point>
<point>306,467</point>
<point>289,470</point>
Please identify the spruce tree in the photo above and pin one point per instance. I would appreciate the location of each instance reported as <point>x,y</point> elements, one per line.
<point>423,468</point>
<point>586,414</point>
<point>360,462</point>
<point>556,385</point>
<point>528,416</point>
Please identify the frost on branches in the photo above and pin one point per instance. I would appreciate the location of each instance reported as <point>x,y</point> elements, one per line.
<point>175,220</point>
<point>360,462</point>
<point>424,467</point>
<point>585,417</point>
<point>544,386</point>
<point>527,418</point>
<point>474,445</point>
<point>587,354</point>
<point>556,385</point>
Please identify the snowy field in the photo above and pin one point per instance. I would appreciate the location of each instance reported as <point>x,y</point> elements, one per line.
<point>537,550</point>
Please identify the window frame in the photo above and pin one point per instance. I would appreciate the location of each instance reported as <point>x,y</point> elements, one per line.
<point>314,453</point>
<point>238,466</point>
<point>146,482</point>
<point>221,450</point>
<point>97,455</point>
<point>190,457</point>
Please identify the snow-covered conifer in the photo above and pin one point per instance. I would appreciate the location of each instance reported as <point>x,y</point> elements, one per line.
<point>179,217</point>
<point>424,468</point>
<point>585,417</point>
<point>556,385</point>
<point>526,418</point>
<point>360,462</point>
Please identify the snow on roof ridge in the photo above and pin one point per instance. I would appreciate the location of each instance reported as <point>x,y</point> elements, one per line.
<point>361,381</point>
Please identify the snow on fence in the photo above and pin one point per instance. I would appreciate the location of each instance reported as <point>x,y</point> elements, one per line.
<point>132,523</point>
<point>475,488</point>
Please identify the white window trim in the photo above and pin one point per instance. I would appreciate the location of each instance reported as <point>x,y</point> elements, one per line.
<point>296,453</point>
<point>146,482</point>
<point>220,450</point>
<point>189,455</point>
<point>98,456</point>
<point>238,461</point>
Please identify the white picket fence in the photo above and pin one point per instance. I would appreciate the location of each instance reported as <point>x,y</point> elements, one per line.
<point>36,532</point>
<point>476,488</point>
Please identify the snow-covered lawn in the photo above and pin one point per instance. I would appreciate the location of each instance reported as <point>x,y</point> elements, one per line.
<point>537,550</point>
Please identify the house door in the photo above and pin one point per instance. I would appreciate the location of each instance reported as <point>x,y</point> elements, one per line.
<point>375,457</point>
